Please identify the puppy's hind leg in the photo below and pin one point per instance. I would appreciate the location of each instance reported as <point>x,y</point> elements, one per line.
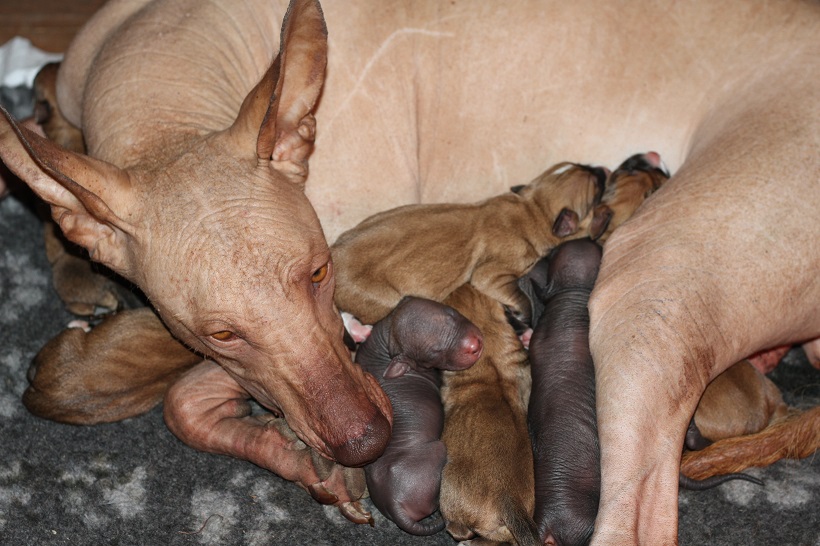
<point>119,369</point>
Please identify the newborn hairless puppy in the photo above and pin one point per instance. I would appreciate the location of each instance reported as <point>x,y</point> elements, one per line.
<point>561,414</point>
<point>402,352</point>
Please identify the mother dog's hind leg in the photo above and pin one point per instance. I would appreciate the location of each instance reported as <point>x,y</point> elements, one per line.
<point>721,263</point>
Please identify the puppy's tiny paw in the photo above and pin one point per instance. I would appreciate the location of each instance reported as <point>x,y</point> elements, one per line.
<point>526,337</point>
<point>79,324</point>
<point>358,331</point>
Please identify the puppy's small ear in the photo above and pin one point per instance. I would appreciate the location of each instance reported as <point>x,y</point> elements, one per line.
<point>518,188</point>
<point>566,224</point>
<point>398,366</point>
<point>601,217</point>
<point>540,291</point>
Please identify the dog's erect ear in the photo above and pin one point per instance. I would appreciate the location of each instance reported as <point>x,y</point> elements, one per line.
<point>566,224</point>
<point>399,365</point>
<point>601,216</point>
<point>277,113</point>
<point>83,192</point>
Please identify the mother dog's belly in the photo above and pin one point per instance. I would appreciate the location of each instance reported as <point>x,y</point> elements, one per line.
<point>457,102</point>
<point>429,101</point>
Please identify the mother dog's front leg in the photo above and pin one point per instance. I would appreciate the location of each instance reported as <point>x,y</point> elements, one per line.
<point>209,411</point>
<point>719,264</point>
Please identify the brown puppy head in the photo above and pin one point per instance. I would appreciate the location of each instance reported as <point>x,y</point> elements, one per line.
<point>627,188</point>
<point>566,192</point>
<point>634,180</point>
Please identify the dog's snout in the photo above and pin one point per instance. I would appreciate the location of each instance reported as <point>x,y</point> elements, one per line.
<point>366,447</point>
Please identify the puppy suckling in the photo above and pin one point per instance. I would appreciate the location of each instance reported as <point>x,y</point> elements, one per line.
<point>562,407</point>
<point>404,352</point>
<point>487,484</point>
<point>561,415</point>
<point>628,187</point>
<point>430,250</point>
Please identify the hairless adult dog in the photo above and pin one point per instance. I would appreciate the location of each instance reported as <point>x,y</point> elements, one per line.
<point>561,414</point>
<point>198,195</point>
<point>404,352</point>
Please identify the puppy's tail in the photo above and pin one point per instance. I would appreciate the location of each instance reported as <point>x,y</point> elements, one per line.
<point>520,524</point>
<point>795,437</point>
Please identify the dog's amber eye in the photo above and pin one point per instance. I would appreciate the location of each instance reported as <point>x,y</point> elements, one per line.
<point>319,275</point>
<point>224,335</point>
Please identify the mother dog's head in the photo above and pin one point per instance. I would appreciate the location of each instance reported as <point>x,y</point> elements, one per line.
<point>227,247</point>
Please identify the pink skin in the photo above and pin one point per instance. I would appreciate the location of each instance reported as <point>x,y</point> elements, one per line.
<point>358,331</point>
<point>812,349</point>
<point>766,361</point>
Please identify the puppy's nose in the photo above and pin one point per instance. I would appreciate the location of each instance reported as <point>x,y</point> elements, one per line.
<point>471,347</point>
<point>653,158</point>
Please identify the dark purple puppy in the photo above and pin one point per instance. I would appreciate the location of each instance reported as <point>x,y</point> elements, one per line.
<point>561,413</point>
<point>404,352</point>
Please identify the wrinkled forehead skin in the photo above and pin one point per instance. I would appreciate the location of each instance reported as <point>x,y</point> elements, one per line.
<point>239,258</point>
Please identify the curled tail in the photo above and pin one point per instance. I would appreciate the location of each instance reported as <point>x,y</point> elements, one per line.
<point>428,526</point>
<point>713,481</point>
<point>795,437</point>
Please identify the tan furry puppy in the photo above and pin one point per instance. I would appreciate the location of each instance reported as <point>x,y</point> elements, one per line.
<point>127,379</point>
<point>628,187</point>
<point>47,113</point>
<point>487,486</point>
<point>430,250</point>
<point>739,401</point>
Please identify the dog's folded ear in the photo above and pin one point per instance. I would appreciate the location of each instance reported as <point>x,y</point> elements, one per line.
<point>399,365</point>
<point>89,198</point>
<point>601,217</point>
<point>566,224</point>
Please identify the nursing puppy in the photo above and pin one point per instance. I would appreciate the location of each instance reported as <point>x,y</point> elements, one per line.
<point>403,352</point>
<point>561,416</point>
<point>487,484</point>
<point>430,250</point>
<point>628,187</point>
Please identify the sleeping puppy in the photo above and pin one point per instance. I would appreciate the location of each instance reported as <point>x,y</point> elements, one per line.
<point>739,401</point>
<point>430,250</point>
<point>82,288</point>
<point>742,421</point>
<point>487,487</point>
